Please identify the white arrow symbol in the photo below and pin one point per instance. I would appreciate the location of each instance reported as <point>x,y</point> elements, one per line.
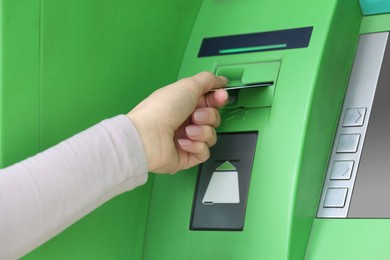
<point>346,171</point>
<point>360,115</point>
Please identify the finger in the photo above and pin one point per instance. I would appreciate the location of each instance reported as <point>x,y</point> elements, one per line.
<point>209,81</point>
<point>206,81</point>
<point>202,133</point>
<point>214,99</point>
<point>198,151</point>
<point>206,116</point>
<point>181,131</point>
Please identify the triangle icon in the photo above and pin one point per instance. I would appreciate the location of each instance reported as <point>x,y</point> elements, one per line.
<point>222,188</point>
<point>226,166</point>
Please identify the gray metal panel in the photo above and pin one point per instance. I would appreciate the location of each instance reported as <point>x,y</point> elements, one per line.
<point>360,95</point>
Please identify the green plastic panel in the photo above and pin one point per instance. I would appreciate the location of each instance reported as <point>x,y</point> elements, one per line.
<point>376,23</point>
<point>353,239</point>
<point>66,65</point>
<point>19,80</point>
<point>295,132</point>
<point>349,239</point>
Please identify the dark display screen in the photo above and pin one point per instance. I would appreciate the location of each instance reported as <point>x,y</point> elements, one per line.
<point>256,42</point>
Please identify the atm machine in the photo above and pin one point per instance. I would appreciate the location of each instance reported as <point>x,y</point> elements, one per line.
<point>300,167</point>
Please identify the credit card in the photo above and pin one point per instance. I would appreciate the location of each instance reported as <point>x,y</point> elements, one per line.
<point>246,86</point>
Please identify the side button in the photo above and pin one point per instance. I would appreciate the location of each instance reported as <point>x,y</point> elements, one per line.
<point>348,143</point>
<point>335,197</point>
<point>354,117</point>
<point>341,170</point>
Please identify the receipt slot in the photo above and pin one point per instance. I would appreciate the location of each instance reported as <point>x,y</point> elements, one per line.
<point>223,182</point>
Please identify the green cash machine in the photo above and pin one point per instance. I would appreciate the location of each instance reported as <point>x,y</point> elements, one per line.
<point>300,167</point>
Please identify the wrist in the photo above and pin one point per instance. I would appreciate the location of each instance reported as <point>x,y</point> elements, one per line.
<point>149,140</point>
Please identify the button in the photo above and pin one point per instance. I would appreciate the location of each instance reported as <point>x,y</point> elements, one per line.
<point>335,197</point>
<point>341,170</point>
<point>348,143</point>
<point>354,117</point>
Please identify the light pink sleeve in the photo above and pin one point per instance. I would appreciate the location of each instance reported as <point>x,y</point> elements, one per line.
<point>41,196</point>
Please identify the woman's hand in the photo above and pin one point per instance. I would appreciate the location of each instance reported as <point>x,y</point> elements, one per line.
<point>177,123</point>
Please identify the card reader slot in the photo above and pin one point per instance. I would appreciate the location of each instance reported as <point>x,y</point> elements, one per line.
<point>251,85</point>
<point>247,86</point>
<point>234,91</point>
<point>258,80</point>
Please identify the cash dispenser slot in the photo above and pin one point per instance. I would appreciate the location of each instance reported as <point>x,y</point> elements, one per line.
<point>223,181</point>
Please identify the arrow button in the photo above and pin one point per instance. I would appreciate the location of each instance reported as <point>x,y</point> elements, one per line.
<point>341,170</point>
<point>354,117</point>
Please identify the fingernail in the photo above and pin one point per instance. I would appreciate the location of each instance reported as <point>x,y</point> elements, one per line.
<point>200,116</point>
<point>226,95</point>
<point>193,130</point>
<point>184,142</point>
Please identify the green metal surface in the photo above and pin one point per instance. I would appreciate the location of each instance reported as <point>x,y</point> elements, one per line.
<point>350,239</point>
<point>295,132</point>
<point>19,80</point>
<point>353,239</point>
<point>376,23</point>
<point>66,65</point>
<point>327,99</point>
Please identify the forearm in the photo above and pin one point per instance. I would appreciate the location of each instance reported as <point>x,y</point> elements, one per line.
<point>42,195</point>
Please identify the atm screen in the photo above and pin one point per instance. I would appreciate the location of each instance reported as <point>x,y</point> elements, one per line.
<point>371,194</point>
